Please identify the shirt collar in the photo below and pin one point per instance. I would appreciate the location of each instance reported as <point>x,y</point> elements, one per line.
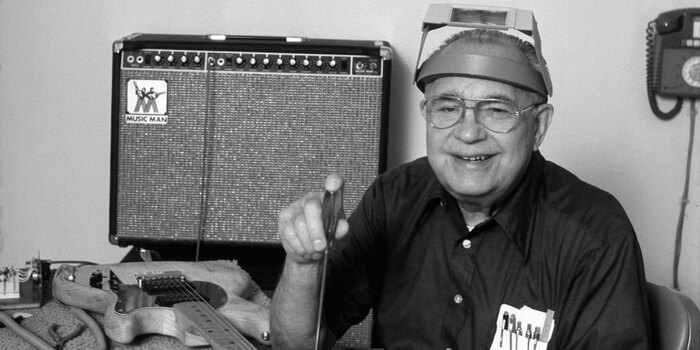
<point>515,212</point>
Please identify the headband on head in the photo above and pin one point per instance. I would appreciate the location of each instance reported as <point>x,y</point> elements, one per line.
<point>482,66</point>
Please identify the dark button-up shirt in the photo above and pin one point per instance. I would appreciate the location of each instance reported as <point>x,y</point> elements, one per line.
<point>555,244</point>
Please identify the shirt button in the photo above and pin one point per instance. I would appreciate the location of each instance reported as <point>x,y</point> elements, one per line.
<point>458,299</point>
<point>448,348</point>
<point>466,244</point>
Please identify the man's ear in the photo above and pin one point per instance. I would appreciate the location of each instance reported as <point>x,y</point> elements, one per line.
<point>543,117</point>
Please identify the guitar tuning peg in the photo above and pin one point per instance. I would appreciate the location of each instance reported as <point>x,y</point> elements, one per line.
<point>265,336</point>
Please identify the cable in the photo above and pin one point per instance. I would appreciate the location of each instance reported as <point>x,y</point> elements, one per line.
<point>23,333</point>
<point>92,325</point>
<point>684,199</point>
<point>204,196</point>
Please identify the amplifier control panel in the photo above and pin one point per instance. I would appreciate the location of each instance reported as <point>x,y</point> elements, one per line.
<point>252,62</point>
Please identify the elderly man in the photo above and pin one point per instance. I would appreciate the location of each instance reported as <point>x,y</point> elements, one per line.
<point>483,244</point>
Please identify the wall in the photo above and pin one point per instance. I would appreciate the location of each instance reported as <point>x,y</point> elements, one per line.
<point>55,74</point>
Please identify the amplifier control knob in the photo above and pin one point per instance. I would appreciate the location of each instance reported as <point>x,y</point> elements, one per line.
<point>171,59</point>
<point>253,61</point>
<point>197,59</point>
<point>292,62</point>
<point>332,63</point>
<point>279,62</point>
<point>319,63</point>
<point>239,61</point>
<point>183,59</point>
<point>266,61</point>
<point>158,59</point>
<point>305,63</point>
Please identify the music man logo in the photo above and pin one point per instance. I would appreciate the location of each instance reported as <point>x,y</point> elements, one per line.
<point>147,101</point>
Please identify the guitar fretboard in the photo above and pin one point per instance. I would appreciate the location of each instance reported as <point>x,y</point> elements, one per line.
<point>213,327</point>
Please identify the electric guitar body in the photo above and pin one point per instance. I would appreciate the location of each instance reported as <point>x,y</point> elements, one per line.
<point>200,303</point>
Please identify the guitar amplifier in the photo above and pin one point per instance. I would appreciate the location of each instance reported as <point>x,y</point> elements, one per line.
<point>213,135</point>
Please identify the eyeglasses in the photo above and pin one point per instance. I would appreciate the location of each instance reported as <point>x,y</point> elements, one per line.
<point>498,116</point>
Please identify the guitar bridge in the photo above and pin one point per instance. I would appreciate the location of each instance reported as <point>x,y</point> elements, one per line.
<point>156,283</point>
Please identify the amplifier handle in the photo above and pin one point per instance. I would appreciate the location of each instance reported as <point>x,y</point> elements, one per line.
<point>224,37</point>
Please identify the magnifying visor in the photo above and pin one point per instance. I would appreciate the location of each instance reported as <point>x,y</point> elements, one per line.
<point>477,65</point>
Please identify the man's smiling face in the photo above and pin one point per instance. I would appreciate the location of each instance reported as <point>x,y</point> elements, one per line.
<point>478,166</point>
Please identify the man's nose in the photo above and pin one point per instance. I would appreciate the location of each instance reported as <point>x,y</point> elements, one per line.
<point>468,129</point>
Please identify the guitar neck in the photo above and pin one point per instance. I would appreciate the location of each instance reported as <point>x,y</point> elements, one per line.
<point>212,326</point>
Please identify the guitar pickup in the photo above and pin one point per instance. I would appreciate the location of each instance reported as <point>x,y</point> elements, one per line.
<point>155,287</point>
<point>169,300</point>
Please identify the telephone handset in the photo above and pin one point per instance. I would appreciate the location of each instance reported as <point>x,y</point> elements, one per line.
<point>673,58</point>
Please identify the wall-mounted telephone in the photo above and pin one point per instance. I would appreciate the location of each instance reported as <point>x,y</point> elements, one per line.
<point>673,58</point>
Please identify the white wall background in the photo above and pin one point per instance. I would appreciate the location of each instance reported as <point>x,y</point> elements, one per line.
<point>55,88</point>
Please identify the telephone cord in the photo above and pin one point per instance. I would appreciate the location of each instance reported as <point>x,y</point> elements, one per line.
<point>652,78</point>
<point>684,199</point>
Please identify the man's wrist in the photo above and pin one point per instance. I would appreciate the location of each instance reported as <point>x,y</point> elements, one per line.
<point>302,273</point>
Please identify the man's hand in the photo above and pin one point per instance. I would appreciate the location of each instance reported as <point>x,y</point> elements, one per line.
<point>294,309</point>
<point>301,225</point>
